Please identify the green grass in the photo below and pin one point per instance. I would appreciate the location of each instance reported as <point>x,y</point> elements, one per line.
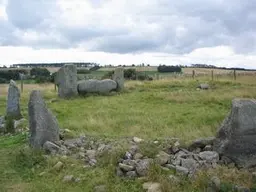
<point>150,110</point>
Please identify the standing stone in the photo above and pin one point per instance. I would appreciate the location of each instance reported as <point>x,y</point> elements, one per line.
<point>13,101</point>
<point>236,138</point>
<point>118,77</point>
<point>43,126</point>
<point>66,80</point>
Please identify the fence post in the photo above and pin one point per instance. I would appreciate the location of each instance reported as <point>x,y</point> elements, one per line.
<point>234,74</point>
<point>21,82</point>
<point>193,74</point>
<point>212,75</point>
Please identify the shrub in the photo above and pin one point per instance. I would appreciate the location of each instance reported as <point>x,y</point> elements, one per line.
<point>129,73</point>
<point>11,74</point>
<point>40,72</point>
<point>168,69</point>
<point>95,68</point>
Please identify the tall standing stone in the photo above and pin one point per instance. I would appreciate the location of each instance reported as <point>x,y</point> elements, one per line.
<point>13,101</point>
<point>118,77</point>
<point>236,138</point>
<point>66,80</point>
<point>43,126</point>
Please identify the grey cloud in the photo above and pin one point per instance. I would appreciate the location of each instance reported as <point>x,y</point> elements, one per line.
<point>27,14</point>
<point>206,24</point>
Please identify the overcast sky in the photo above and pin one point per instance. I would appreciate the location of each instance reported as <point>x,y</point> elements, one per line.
<point>218,32</point>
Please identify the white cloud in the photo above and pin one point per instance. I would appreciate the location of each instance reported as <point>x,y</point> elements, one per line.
<point>219,56</point>
<point>116,31</point>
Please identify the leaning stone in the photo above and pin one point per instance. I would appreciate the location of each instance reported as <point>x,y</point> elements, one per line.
<point>236,137</point>
<point>66,80</point>
<point>13,101</point>
<point>43,126</point>
<point>118,77</point>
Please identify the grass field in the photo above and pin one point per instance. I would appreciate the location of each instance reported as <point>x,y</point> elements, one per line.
<point>150,110</point>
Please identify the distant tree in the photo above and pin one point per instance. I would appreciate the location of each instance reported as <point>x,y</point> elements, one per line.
<point>40,72</point>
<point>169,69</point>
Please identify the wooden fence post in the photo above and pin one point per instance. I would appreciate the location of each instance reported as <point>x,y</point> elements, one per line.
<point>234,74</point>
<point>212,75</point>
<point>21,82</point>
<point>193,74</point>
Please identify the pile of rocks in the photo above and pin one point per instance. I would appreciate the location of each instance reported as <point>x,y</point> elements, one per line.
<point>184,161</point>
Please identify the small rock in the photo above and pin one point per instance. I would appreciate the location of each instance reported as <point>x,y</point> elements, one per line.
<point>203,86</point>
<point>152,187</point>
<point>240,189</point>
<point>201,143</point>
<point>190,164</point>
<point>156,142</point>
<point>92,162</point>
<point>174,179</point>
<point>209,156</point>
<point>177,144</point>
<point>42,173</point>
<point>51,147</point>
<point>225,160</point>
<point>138,156</point>
<point>128,155</point>
<point>169,166</point>
<point>133,150</point>
<point>137,140</point>
<point>101,147</point>
<point>214,185</point>
<point>131,174</point>
<point>162,158</point>
<point>142,166</point>
<point>68,178</point>
<point>129,162</point>
<point>208,148</point>
<point>91,154</point>
<point>77,180</point>
<point>181,170</point>
<point>125,167</point>
<point>100,188</point>
<point>58,166</point>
